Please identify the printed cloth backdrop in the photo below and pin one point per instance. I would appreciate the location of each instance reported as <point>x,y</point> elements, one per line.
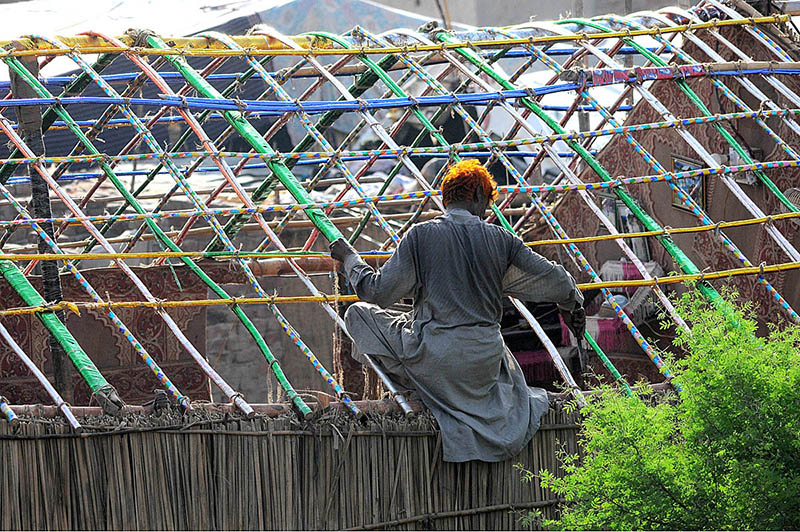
<point>619,158</point>
<point>106,346</point>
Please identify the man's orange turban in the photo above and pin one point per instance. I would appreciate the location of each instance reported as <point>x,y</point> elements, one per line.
<point>463,180</point>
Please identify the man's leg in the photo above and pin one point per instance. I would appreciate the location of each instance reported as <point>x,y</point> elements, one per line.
<point>378,333</point>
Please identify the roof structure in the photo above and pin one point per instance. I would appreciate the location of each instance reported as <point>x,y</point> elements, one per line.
<point>386,84</point>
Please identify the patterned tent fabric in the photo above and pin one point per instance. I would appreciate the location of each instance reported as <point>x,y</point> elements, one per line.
<point>180,147</point>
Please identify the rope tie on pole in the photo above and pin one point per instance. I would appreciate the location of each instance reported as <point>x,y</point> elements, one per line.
<point>452,154</point>
<point>240,105</point>
<point>391,63</point>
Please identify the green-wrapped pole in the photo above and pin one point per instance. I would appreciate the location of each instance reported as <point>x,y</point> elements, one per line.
<point>349,138</point>
<point>683,262</point>
<point>316,215</point>
<point>434,132</point>
<point>732,142</point>
<point>607,362</point>
<point>366,80</point>
<point>201,118</point>
<point>76,86</point>
<point>164,239</point>
<point>254,138</point>
<point>29,123</point>
<point>84,365</point>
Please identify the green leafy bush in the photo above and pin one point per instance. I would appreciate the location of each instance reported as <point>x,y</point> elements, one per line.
<point>723,455</point>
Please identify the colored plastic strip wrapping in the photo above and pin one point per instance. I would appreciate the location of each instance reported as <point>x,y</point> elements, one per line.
<point>159,373</point>
<point>779,86</point>
<point>51,391</point>
<point>555,356</point>
<point>191,349</point>
<point>5,409</point>
<point>61,81</point>
<point>86,368</point>
<point>654,356</point>
<point>92,135</point>
<point>194,46</point>
<point>655,165</point>
<point>226,170</point>
<point>272,361</point>
<point>48,119</point>
<point>685,197</point>
<point>290,331</point>
<point>281,171</point>
<point>315,133</point>
<point>387,254</point>
<point>318,157</point>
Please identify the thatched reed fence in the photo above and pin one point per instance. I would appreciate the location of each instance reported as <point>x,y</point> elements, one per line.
<point>221,472</point>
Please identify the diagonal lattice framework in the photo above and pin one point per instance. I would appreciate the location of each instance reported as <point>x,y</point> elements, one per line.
<point>403,82</point>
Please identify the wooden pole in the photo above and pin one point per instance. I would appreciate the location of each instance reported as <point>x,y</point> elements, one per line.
<point>30,124</point>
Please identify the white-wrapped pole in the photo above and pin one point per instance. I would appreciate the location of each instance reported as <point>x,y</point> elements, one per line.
<point>54,395</point>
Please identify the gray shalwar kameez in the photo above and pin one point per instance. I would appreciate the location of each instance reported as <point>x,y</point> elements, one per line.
<point>449,348</point>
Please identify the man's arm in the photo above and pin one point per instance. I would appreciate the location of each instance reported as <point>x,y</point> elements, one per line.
<point>531,277</point>
<point>395,280</point>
